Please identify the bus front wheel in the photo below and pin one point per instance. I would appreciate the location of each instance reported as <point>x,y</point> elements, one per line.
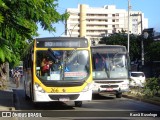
<point>78,103</point>
<point>118,95</point>
<point>26,96</point>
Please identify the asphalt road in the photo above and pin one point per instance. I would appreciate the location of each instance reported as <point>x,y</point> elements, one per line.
<point>100,108</point>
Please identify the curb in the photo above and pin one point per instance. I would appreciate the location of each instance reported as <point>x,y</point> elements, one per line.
<point>11,106</point>
<point>143,100</point>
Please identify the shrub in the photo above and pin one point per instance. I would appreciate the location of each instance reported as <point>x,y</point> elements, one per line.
<point>152,86</point>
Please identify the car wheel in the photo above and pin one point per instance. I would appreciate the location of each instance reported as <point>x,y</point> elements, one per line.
<point>78,103</point>
<point>118,95</point>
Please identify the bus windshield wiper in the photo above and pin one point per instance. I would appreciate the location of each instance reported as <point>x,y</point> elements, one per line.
<point>51,54</point>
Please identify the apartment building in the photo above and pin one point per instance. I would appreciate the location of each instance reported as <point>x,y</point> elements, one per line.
<point>98,22</point>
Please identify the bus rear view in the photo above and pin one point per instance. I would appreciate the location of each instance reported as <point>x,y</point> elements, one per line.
<point>110,69</point>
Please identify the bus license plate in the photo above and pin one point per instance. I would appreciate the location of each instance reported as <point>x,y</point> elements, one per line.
<point>109,89</point>
<point>63,99</point>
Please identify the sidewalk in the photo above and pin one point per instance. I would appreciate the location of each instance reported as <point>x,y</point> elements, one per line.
<point>6,97</point>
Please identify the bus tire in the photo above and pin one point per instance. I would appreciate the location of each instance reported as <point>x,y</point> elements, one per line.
<point>25,94</point>
<point>36,104</point>
<point>78,103</point>
<point>31,95</point>
<point>26,97</point>
<point>118,95</point>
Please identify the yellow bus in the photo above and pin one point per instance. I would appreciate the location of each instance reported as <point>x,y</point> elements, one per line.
<point>58,69</point>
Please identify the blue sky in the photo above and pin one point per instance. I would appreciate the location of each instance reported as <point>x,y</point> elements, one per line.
<point>150,8</point>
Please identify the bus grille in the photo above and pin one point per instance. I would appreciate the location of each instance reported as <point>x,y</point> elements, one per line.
<point>109,86</point>
<point>71,97</point>
<point>108,82</point>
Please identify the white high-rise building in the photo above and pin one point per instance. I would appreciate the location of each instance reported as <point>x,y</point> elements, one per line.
<point>95,23</point>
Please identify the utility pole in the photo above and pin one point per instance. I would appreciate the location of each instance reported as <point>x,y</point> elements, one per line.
<point>144,37</point>
<point>142,46</point>
<point>128,23</point>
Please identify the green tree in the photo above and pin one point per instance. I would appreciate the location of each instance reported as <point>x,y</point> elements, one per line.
<point>153,51</point>
<point>18,25</point>
<point>2,5</point>
<point>18,22</point>
<point>121,38</point>
<point>151,48</point>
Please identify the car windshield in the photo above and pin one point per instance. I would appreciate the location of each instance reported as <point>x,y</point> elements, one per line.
<point>62,65</point>
<point>137,74</point>
<point>109,65</point>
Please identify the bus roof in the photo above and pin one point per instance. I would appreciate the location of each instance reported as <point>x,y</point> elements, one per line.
<point>108,48</point>
<point>97,45</point>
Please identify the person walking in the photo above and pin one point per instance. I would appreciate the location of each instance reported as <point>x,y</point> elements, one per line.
<point>16,77</point>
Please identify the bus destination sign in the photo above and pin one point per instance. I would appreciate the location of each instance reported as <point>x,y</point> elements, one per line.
<point>59,43</point>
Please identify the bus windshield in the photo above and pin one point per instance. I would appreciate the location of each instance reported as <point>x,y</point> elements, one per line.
<point>109,65</point>
<point>57,65</point>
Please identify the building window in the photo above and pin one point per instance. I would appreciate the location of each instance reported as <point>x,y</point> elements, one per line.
<point>72,19</point>
<point>90,14</point>
<point>114,30</point>
<point>134,20</point>
<point>113,20</point>
<point>117,14</point>
<point>117,26</point>
<point>117,20</point>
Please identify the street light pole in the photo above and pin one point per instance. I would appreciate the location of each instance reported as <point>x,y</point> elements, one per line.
<point>128,23</point>
<point>142,45</point>
<point>145,36</point>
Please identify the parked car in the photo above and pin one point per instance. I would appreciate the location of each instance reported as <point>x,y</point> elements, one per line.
<point>137,79</point>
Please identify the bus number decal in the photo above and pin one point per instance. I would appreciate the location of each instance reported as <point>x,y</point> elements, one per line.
<point>54,90</point>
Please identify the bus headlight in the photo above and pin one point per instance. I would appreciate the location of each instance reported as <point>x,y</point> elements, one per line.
<point>89,86</point>
<point>38,88</point>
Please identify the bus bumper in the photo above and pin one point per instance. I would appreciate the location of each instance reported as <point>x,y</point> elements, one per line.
<point>111,90</point>
<point>49,97</point>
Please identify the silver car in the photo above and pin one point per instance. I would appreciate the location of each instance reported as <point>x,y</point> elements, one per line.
<point>137,79</point>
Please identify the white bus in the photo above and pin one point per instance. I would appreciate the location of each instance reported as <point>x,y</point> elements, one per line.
<point>111,66</point>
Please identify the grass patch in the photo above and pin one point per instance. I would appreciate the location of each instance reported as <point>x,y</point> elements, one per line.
<point>142,93</point>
